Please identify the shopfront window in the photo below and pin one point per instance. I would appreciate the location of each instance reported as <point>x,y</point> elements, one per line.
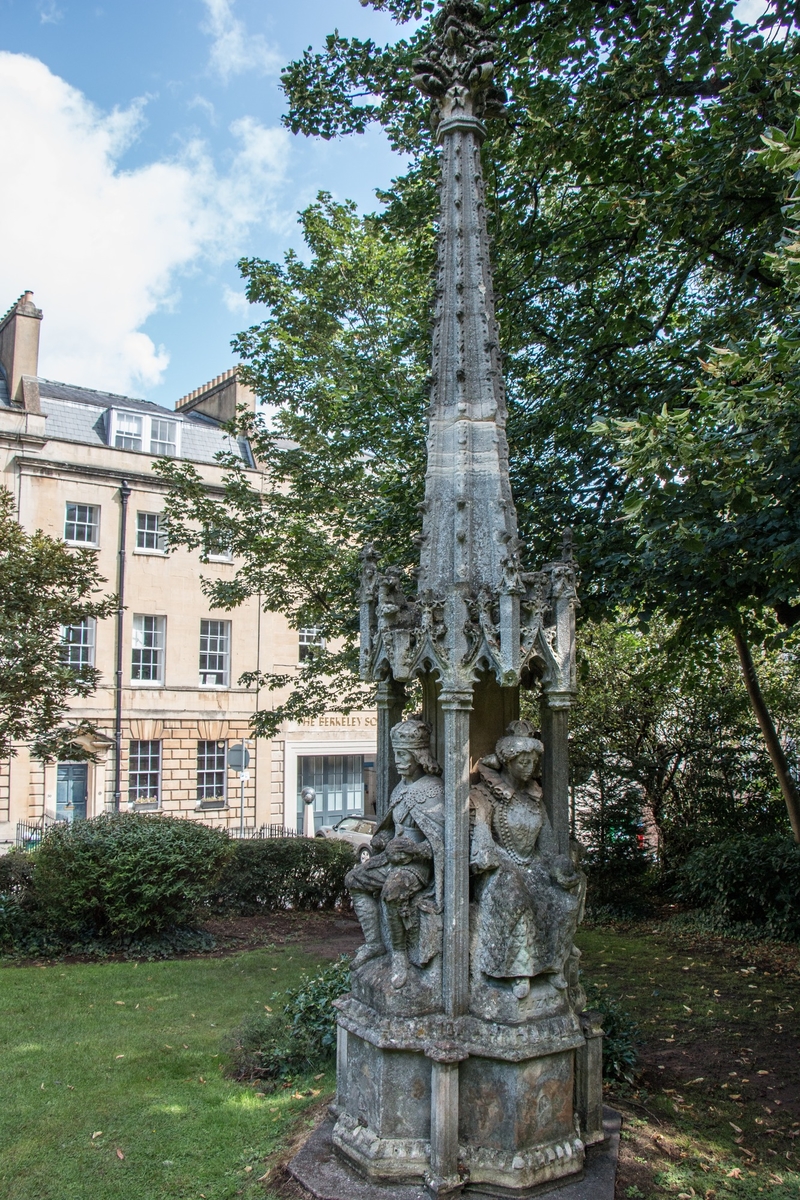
<point>338,780</point>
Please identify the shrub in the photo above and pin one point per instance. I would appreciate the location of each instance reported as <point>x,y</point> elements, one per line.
<point>125,876</point>
<point>620,1037</point>
<point>277,873</point>
<point>16,875</point>
<point>747,881</point>
<point>273,1047</point>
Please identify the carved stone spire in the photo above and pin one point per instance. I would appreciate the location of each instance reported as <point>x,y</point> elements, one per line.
<point>469,523</point>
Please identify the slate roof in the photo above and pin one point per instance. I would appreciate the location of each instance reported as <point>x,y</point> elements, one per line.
<point>78,414</point>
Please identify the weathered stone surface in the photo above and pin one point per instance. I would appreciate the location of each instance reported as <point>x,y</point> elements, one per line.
<point>398,892</point>
<point>323,1174</point>
<point>528,896</point>
<point>461,1049</point>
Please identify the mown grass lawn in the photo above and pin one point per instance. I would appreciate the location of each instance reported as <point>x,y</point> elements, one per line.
<point>111,1085</point>
<point>715,1110</point>
<point>132,1054</point>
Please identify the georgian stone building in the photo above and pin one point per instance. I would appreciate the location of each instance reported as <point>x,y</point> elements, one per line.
<point>79,464</point>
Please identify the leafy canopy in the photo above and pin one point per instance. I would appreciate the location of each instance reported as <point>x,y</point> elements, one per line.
<point>633,226</point>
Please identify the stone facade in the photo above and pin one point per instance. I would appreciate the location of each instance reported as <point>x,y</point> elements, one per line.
<point>59,447</point>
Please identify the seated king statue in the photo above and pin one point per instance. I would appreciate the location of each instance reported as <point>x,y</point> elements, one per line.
<point>397,893</point>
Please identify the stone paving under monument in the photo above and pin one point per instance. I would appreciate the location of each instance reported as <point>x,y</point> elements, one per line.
<point>466,1061</point>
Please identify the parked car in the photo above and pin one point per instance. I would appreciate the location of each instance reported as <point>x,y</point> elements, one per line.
<point>358,831</point>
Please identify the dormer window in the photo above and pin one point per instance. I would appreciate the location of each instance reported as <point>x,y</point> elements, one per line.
<point>163,437</point>
<point>128,431</point>
<point>158,436</point>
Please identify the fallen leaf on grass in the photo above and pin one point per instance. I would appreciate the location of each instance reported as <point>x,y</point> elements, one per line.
<point>775,1178</point>
<point>267,1008</point>
<point>201,1079</point>
<point>735,1173</point>
<point>97,1135</point>
<point>120,1155</point>
<point>263,1178</point>
<point>119,1056</point>
<point>322,1076</point>
<point>734,1127</point>
<point>120,1002</point>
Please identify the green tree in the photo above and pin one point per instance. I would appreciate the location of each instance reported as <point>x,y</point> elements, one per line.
<point>343,357</point>
<point>713,486</point>
<point>43,585</point>
<point>662,735</point>
<point>632,226</point>
<point>629,213</point>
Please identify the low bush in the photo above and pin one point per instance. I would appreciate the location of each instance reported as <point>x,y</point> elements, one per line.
<point>16,875</point>
<point>746,882</point>
<point>274,1047</point>
<point>620,1037</point>
<point>266,874</point>
<point>125,876</point>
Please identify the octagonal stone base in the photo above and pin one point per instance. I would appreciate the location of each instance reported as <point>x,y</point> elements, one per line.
<point>322,1173</point>
<point>515,1088</point>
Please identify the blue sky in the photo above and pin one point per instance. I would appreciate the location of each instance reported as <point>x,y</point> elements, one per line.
<point>142,155</point>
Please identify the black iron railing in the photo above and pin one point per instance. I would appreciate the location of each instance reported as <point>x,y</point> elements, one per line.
<point>30,833</point>
<point>264,831</point>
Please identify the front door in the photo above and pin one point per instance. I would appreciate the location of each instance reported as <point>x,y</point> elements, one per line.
<point>71,791</point>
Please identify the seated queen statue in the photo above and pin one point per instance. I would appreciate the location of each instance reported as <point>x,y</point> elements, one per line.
<point>528,897</point>
<point>397,893</point>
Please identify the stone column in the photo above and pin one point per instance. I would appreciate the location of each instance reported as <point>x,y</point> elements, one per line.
<point>456,706</point>
<point>555,767</point>
<point>391,698</point>
<point>589,1079</point>
<point>443,1180</point>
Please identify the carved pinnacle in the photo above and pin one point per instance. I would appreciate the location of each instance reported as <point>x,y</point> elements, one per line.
<point>457,68</point>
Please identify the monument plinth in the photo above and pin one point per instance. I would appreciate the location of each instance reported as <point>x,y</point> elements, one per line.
<point>466,1062</point>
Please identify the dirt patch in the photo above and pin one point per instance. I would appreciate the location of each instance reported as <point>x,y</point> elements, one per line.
<point>715,1108</point>
<point>323,934</point>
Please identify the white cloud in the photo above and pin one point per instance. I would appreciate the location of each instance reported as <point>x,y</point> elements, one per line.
<point>49,12</point>
<point>235,302</point>
<point>103,248</point>
<point>233,49</point>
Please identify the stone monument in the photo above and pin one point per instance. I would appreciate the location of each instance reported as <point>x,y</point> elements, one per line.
<point>465,1060</point>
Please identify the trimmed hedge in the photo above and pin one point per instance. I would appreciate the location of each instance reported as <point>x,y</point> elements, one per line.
<point>746,881</point>
<point>125,876</point>
<point>266,874</point>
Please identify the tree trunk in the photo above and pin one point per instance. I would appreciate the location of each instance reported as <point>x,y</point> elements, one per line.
<point>788,785</point>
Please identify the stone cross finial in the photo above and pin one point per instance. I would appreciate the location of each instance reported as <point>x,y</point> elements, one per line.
<point>457,67</point>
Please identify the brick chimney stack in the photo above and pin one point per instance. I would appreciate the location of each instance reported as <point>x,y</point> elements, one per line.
<point>19,352</point>
<point>219,398</point>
